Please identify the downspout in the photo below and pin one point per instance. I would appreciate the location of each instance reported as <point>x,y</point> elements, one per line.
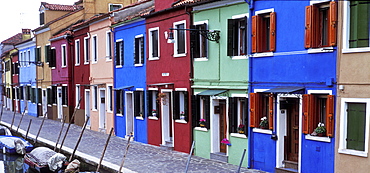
<point>250,87</point>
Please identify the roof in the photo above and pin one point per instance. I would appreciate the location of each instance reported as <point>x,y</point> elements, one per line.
<point>133,11</point>
<point>14,39</point>
<point>184,2</point>
<point>59,7</point>
<point>211,92</point>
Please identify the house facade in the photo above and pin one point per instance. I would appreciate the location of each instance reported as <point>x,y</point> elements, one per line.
<point>220,81</point>
<point>352,144</point>
<point>293,86</point>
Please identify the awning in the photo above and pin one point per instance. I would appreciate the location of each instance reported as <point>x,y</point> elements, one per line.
<point>284,90</point>
<point>211,92</point>
<point>122,88</point>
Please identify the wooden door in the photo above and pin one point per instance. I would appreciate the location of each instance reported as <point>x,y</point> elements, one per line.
<point>222,125</point>
<point>292,143</point>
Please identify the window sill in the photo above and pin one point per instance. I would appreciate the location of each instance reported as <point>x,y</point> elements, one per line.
<point>152,118</point>
<point>201,129</point>
<point>201,59</point>
<point>317,138</point>
<point>321,50</point>
<point>86,63</point>
<point>265,131</point>
<point>65,106</point>
<point>179,55</point>
<point>119,115</point>
<point>355,50</point>
<point>77,64</point>
<point>119,66</point>
<point>139,118</point>
<point>181,121</point>
<point>352,152</point>
<point>154,58</point>
<point>264,54</point>
<point>138,65</point>
<point>238,135</point>
<point>95,110</point>
<point>239,57</point>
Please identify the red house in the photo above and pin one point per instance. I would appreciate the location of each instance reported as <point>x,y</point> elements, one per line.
<point>168,76</point>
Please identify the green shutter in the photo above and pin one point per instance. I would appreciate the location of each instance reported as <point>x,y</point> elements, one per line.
<point>231,28</point>
<point>356,125</point>
<point>233,115</point>
<point>176,105</point>
<point>359,24</point>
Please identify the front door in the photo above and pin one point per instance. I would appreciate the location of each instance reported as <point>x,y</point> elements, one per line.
<point>292,139</point>
<point>102,110</point>
<point>87,108</point>
<point>59,103</point>
<point>222,124</point>
<point>44,102</point>
<point>129,113</point>
<point>167,121</point>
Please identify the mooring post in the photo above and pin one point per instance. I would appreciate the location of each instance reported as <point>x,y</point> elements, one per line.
<point>189,157</point>
<point>124,156</point>
<point>60,133</point>
<point>11,126</point>
<point>105,148</point>
<point>28,129</point>
<point>1,114</point>
<point>38,133</point>
<point>79,140</point>
<point>20,121</point>
<point>241,161</point>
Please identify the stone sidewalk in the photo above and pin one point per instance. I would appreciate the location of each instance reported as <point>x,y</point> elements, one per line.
<point>140,157</point>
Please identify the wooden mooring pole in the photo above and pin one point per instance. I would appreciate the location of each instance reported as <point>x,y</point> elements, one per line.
<point>189,157</point>
<point>79,139</point>
<point>42,123</point>
<point>28,129</point>
<point>1,114</point>
<point>105,148</point>
<point>124,156</point>
<point>20,121</point>
<point>241,161</point>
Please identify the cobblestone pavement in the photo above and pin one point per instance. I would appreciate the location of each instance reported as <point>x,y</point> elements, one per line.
<point>140,157</point>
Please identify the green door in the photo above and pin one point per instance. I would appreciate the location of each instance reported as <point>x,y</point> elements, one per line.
<point>356,118</point>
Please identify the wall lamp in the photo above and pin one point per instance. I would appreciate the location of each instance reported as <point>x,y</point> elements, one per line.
<point>212,35</point>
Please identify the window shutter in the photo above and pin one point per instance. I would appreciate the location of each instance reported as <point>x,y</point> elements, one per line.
<point>308,27</point>
<point>52,62</point>
<point>186,106</point>
<point>254,36</point>
<point>271,112</point>
<point>253,107</point>
<point>117,56</point>
<point>142,50</point>
<point>194,42</point>
<point>122,50</point>
<point>136,103</point>
<point>136,51</point>
<point>333,23</point>
<point>233,115</point>
<point>143,103</point>
<point>245,116</point>
<point>312,109</point>
<point>149,101</point>
<point>272,31</point>
<point>195,110</point>
<point>230,37</point>
<point>176,105</point>
<point>207,111</point>
<point>330,116</point>
<point>306,102</point>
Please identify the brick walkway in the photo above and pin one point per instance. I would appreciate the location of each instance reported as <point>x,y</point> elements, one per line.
<point>140,157</point>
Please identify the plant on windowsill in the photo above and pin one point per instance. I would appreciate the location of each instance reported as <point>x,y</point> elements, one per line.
<point>264,123</point>
<point>202,123</point>
<point>226,142</point>
<point>241,129</point>
<point>320,130</point>
<point>141,114</point>
<point>182,115</point>
<point>154,113</point>
<point>162,97</point>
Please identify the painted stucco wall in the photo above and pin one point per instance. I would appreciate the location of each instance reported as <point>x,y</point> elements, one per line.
<point>235,151</point>
<point>131,75</point>
<point>202,146</point>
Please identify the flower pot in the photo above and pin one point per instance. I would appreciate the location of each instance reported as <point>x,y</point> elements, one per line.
<point>241,132</point>
<point>202,125</point>
<point>182,117</point>
<point>321,134</point>
<point>263,127</point>
<point>154,114</point>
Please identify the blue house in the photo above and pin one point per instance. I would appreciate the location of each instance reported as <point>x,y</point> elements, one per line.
<point>27,76</point>
<point>130,72</point>
<point>292,85</point>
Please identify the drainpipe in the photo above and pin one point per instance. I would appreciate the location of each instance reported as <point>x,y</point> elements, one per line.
<point>250,87</point>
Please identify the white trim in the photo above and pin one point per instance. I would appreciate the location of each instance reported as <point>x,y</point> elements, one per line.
<point>318,1</point>
<point>77,54</point>
<point>153,89</point>
<point>263,54</point>
<point>181,89</point>
<point>240,95</point>
<point>175,32</point>
<point>139,118</point>
<point>150,43</point>
<point>138,36</point>
<point>181,121</point>
<point>201,129</point>
<point>238,135</point>
<point>110,96</point>
<point>93,48</point>
<point>139,89</point>
<point>317,138</point>
<point>328,92</point>
<point>118,40</point>
<point>86,50</point>
<point>265,131</point>
<point>260,90</point>
<point>270,10</point>
<point>239,57</point>
<point>239,16</point>
<point>201,59</point>
<point>320,50</point>
<point>112,4</point>
<point>64,56</point>
<point>152,118</point>
<point>342,148</point>
<point>108,45</point>
<point>140,64</point>
<point>204,57</point>
<point>356,50</point>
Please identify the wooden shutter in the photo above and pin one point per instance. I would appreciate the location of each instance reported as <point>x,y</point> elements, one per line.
<point>142,101</point>
<point>306,102</point>
<point>136,51</point>
<point>330,116</point>
<point>356,125</point>
<point>333,18</point>
<point>195,110</point>
<point>312,109</point>
<point>233,115</point>
<point>207,111</point>
<point>149,102</point>
<point>308,27</point>
<point>272,31</point>
<point>271,112</point>
<point>231,28</point>
<point>186,105</point>
<point>136,103</point>
<point>176,105</point>
<point>142,50</point>
<point>254,34</point>
<point>253,107</point>
<point>52,62</point>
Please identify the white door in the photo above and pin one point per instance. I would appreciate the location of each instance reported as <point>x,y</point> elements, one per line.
<point>167,121</point>
<point>129,113</point>
<point>87,108</point>
<point>102,111</point>
<point>44,102</point>
<point>59,103</point>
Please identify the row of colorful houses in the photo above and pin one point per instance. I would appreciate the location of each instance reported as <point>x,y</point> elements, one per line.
<point>285,80</point>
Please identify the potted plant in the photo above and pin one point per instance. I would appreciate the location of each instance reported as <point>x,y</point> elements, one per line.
<point>154,113</point>
<point>241,128</point>
<point>162,97</point>
<point>182,115</point>
<point>320,129</point>
<point>226,142</point>
<point>202,123</point>
<point>141,114</point>
<point>264,123</point>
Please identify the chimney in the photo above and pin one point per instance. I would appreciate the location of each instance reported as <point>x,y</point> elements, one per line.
<point>26,34</point>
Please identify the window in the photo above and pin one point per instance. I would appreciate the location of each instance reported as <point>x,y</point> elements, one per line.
<point>86,50</point>
<point>38,54</point>
<point>21,59</point>
<point>263,32</point>
<point>95,97</point>
<point>200,110</point>
<point>119,102</point>
<point>354,124</point>
<point>113,7</point>
<point>318,108</point>
<point>236,37</point>
<point>49,96</point>
<point>139,49</point>
<point>47,53</point>
<point>42,18</point>
<point>180,104</point>
<point>358,21</point>
<point>7,65</point>
<point>78,95</point>
<point>199,42</point>
<point>179,36</point>
<point>139,103</point>
<point>64,56</point>
<point>21,92</point>
<point>64,95</point>
<point>28,93</point>
<point>15,68</point>
<point>29,57</point>
<point>77,52</point>
<point>153,104</point>
<point>39,95</point>
<point>321,25</point>
<point>109,45</point>
<point>54,95</point>
<point>153,43</point>
<point>52,57</point>
<point>33,95</point>
<point>110,98</point>
<point>95,49</point>
<point>119,53</point>
<point>261,105</point>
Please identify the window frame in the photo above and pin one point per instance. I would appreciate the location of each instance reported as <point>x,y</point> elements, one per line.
<point>94,50</point>
<point>257,35</point>
<point>139,54</point>
<point>203,42</point>
<point>110,98</point>
<point>119,56</point>
<point>77,52</point>
<point>111,6</point>
<point>119,102</point>
<point>237,19</point>
<point>95,96</point>
<point>86,50</point>
<point>63,55</point>
<point>108,46</point>
<point>342,148</point>
<point>151,57</point>
<point>78,95</point>
<point>176,38</point>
